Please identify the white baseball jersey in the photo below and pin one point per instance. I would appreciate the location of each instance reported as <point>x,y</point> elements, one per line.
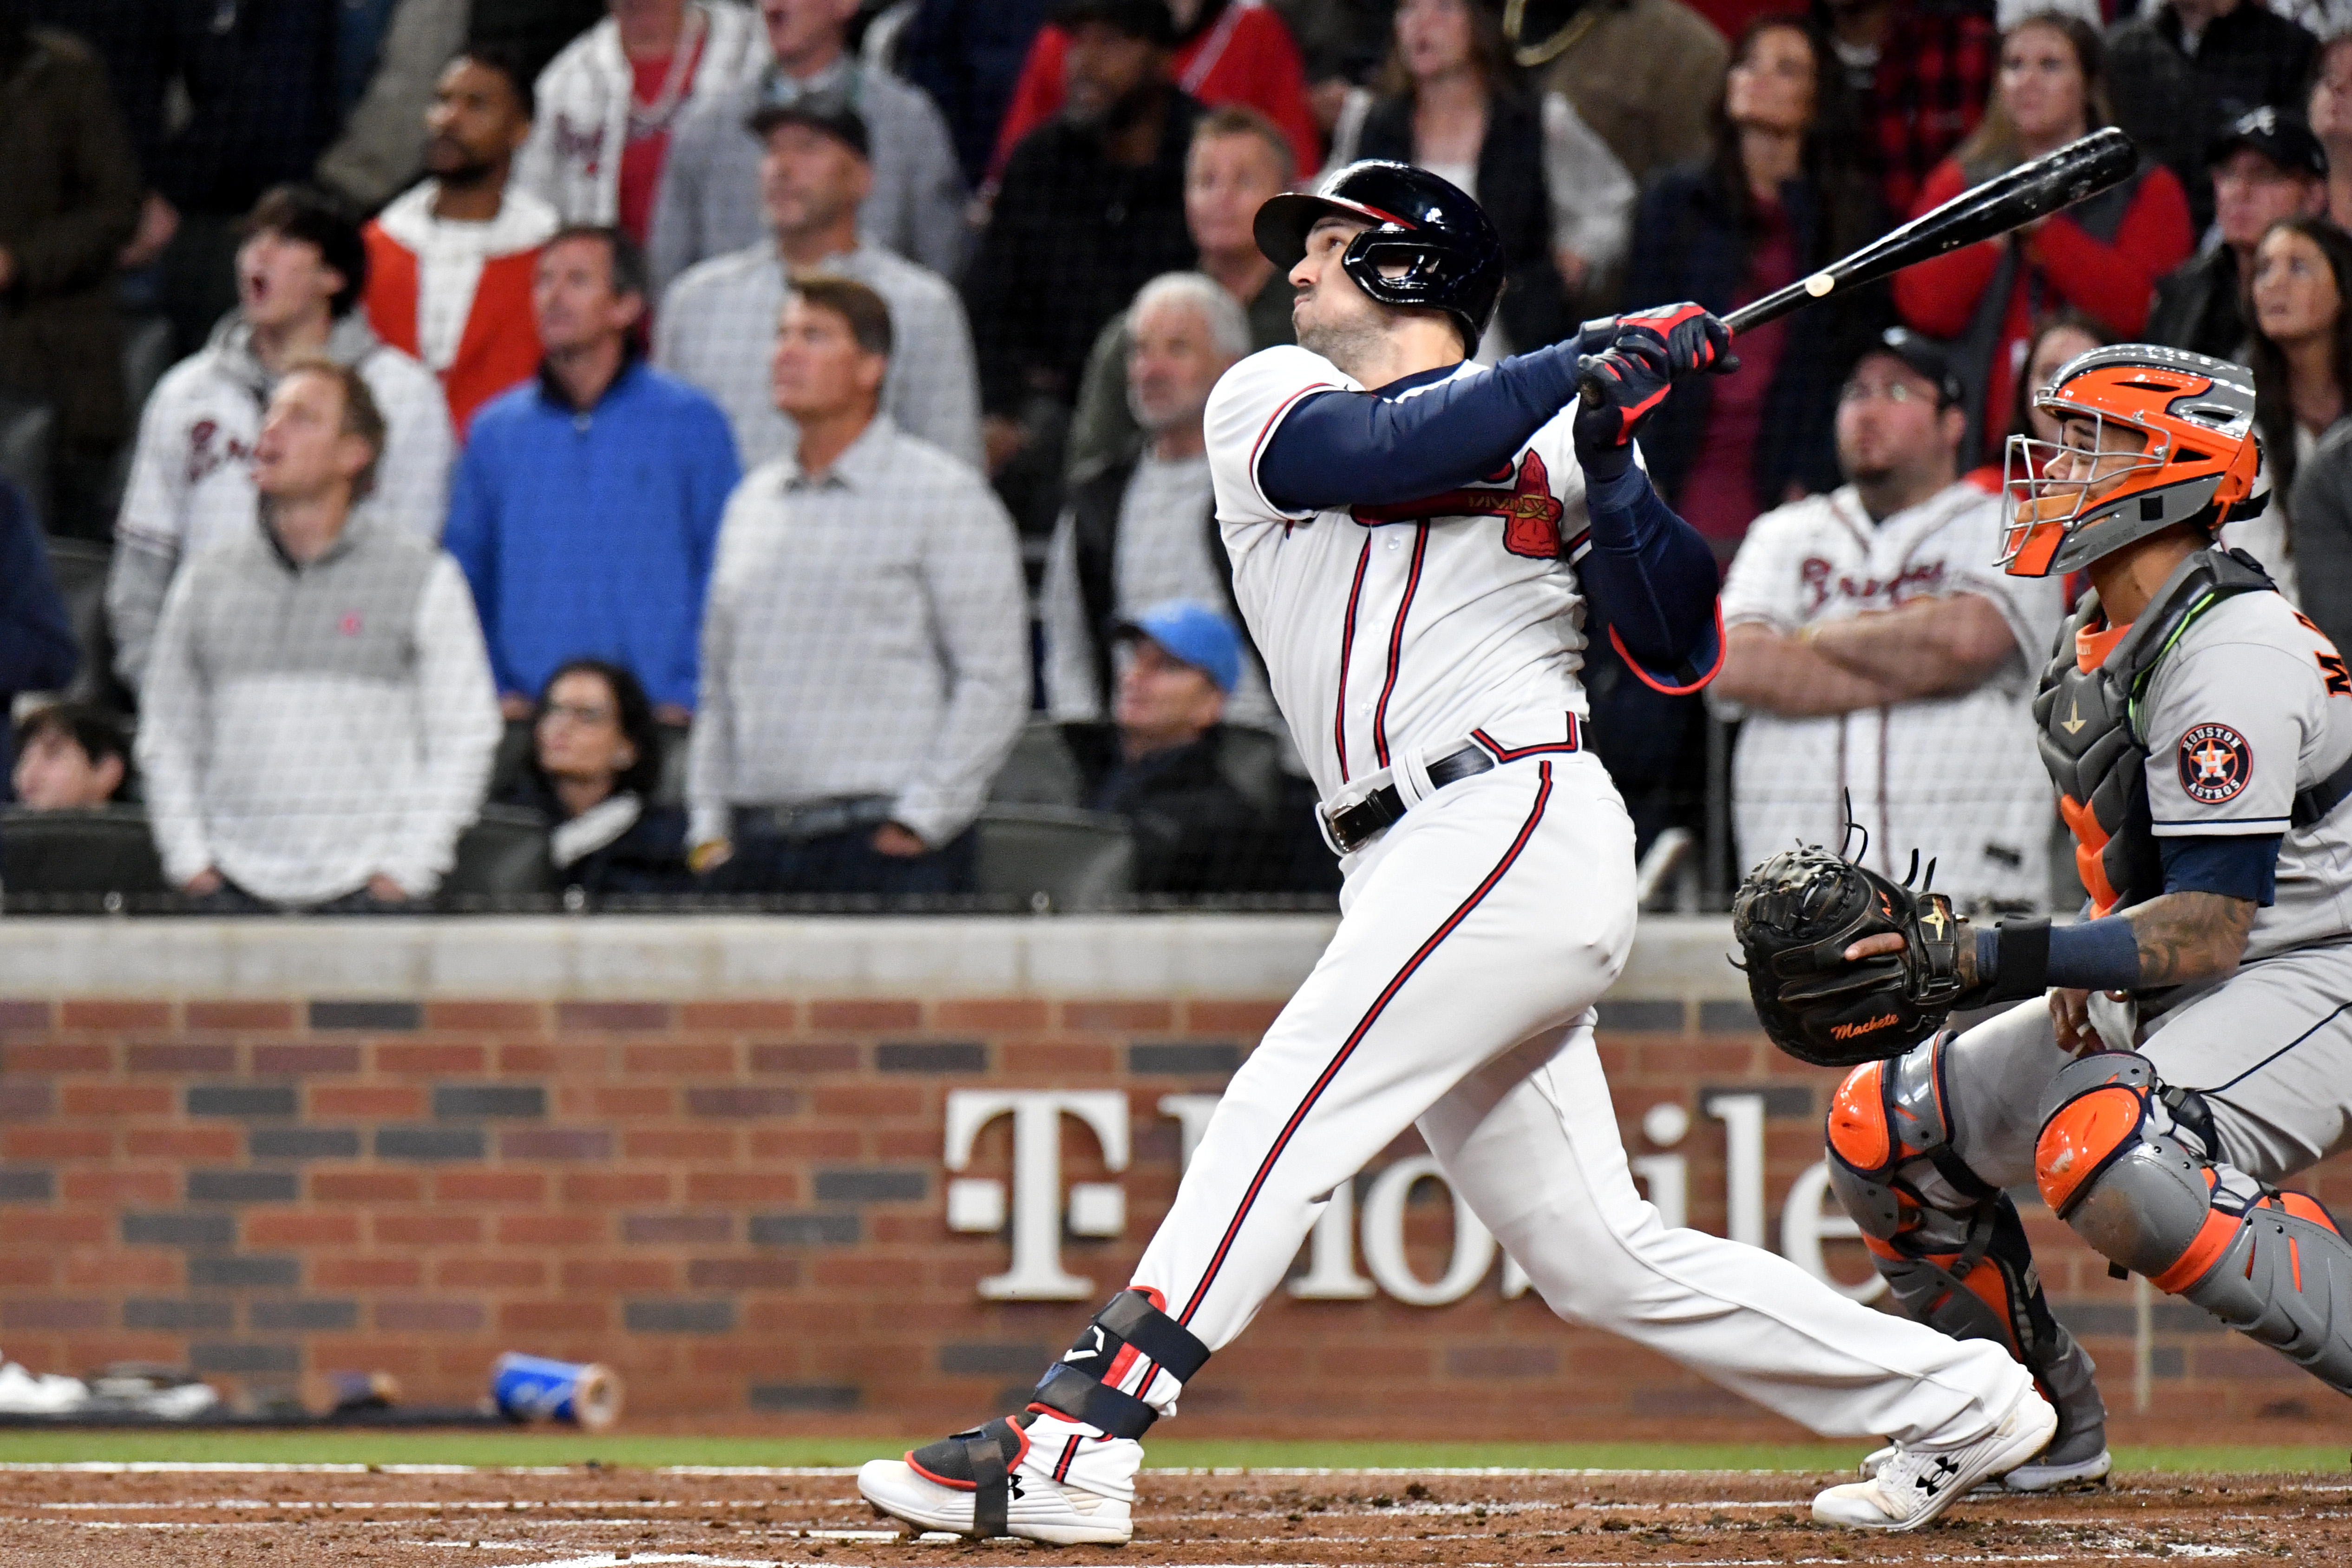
<point>2252,704</point>
<point>1475,933</point>
<point>1394,627</point>
<point>1959,778</point>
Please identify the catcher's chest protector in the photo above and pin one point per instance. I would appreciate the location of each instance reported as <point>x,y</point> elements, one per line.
<point>2090,742</point>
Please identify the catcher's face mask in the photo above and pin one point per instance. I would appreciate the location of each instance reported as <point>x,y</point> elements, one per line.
<point>2152,437</point>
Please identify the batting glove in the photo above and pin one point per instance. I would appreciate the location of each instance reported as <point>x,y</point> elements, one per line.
<point>1618,390</point>
<point>1693,339</point>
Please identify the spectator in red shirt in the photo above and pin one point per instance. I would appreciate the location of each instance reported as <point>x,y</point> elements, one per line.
<point>2103,255</point>
<point>1922,71</point>
<point>1227,51</point>
<point>608,102</point>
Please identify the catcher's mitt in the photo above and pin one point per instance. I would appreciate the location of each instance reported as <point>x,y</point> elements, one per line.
<point>1795,915</point>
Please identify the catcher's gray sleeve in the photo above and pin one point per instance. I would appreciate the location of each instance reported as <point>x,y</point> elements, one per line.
<point>2227,726</point>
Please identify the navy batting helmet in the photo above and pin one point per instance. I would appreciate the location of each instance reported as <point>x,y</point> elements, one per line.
<point>1450,257</point>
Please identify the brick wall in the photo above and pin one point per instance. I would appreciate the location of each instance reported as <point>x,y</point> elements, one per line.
<point>739,1203</point>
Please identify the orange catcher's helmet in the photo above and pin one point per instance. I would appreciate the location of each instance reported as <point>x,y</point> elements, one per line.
<point>2154,437</point>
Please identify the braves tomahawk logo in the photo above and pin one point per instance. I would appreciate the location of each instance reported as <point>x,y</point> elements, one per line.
<point>209,450</point>
<point>582,145</point>
<point>2215,763</point>
<point>1530,513</point>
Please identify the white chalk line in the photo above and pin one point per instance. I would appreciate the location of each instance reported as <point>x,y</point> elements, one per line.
<point>482,1505</point>
<point>611,1559</point>
<point>230,1466</point>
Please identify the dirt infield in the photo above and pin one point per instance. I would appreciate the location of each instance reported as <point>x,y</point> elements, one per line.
<point>421,1517</point>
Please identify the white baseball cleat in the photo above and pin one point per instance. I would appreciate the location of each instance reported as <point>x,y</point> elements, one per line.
<point>2041,1475</point>
<point>2076,1457</point>
<point>1038,1476</point>
<point>1918,1482</point>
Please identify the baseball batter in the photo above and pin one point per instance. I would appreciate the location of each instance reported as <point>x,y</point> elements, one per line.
<point>1412,537</point>
<point>2196,1038</point>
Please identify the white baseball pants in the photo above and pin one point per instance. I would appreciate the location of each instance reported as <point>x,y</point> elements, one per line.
<point>1457,996</point>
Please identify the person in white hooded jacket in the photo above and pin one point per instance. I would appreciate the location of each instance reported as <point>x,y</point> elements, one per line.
<point>608,103</point>
<point>301,273</point>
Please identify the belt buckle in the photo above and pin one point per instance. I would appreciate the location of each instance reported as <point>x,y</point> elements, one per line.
<point>1364,794</point>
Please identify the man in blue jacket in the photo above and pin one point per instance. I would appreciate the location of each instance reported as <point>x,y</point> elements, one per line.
<point>588,500</point>
<point>37,652</point>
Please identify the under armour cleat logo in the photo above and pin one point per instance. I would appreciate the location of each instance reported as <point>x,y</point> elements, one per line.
<point>1934,1481</point>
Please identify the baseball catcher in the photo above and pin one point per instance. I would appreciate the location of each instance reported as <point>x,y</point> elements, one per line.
<point>2178,1054</point>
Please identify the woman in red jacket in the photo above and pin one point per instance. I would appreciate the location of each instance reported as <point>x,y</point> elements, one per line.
<point>2101,256</point>
<point>1232,51</point>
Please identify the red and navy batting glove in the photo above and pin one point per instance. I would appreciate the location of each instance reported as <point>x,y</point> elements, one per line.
<point>1617,391</point>
<point>1693,339</point>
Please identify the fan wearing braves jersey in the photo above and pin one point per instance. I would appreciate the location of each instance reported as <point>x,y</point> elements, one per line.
<point>1884,665</point>
<point>1412,539</point>
<point>2189,1047</point>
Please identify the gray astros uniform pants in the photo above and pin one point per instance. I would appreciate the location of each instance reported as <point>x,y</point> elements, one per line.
<point>2270,1049</point>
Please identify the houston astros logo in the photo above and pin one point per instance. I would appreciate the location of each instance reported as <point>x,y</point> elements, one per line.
<point>2215,763</point>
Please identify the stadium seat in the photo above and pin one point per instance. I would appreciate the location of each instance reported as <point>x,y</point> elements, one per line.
<point>74,861</point>
<point>26,432</point>
<point>80,568</point>
<point>1251,760</point>
<point>501,863</point>
<point>676,740</point>
<point>146,356</point>
<point>1068,859</point>
<point>512,757</point>
<point>1039,770</point>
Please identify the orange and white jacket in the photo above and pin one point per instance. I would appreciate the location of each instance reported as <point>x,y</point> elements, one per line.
<point>457,295</point>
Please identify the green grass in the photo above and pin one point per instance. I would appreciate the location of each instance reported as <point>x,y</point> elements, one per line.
<point>498,1449</point>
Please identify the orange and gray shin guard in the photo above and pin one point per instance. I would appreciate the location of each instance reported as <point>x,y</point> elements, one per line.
<point>2134,1169</point>
<point>1949,1245</point>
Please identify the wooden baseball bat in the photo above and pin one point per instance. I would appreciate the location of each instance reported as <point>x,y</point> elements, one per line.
<point>2054,181</point>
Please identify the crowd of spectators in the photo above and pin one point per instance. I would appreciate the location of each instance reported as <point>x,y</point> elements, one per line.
<point>754,440</point>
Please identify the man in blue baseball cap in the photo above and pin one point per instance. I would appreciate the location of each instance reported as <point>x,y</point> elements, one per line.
<point>1163,766</point>
<point>1190,633</point>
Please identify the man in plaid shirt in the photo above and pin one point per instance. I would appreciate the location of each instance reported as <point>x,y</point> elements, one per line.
<point>1922,72</point>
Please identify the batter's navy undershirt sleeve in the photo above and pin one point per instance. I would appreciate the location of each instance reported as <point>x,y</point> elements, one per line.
<point>1367,448</point>
<point>1652,575</point>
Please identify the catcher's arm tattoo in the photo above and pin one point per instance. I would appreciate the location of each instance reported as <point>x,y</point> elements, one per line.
<point>2191,936</point>
<point>2182,937</point>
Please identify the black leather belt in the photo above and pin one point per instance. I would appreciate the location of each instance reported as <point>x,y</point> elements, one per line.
<point>1353,827</point>
<point>815,818</point>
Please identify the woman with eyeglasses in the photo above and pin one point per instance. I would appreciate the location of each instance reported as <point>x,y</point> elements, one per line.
<point>595,761</point>
<point>2102,256</point>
